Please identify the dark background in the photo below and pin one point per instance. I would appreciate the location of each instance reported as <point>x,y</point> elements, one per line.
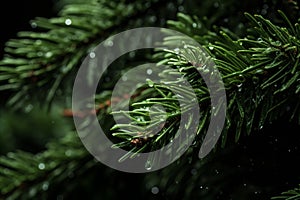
<point>15,16</point>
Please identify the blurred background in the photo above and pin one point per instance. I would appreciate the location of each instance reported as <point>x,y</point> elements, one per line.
<point>29,130</point>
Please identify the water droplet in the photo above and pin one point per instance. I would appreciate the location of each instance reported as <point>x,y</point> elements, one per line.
<point>278,43</point>
<point>201,187</point>
<point>33,25</point>
<point>206,71</point>
<point>41,166</point>
<point>259,39</point>
<point>48,54</point>
<point>45,186</point>
<point>64,69</point>
<point>132,54</point>
<point>155,190</point>
<point>68,153</point>
<point>264,11</point>
<point>92,55</point>
<point>211,48</point>
<point>180,8</point>
<point>150,83</point>
<point>194,25</point>
<point>108,43</point>
<point>265,6</point>
<point>149,71</point>
<point>216,4</point>
<point>240,87</point>
<point>68,22</point>
<point>148,165</point>
<point>153,19</point>
<point>38,42</point>
<point>32,192</point>
<point>171,6</point>
<point>177,50</point>
<point>241,26</point>
<point>245,184</point>
<point>28,108</point>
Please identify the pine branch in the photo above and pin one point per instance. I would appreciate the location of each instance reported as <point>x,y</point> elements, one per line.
<point>41,60</point>
<point>260,73</point>
<point>289,195</point>
<point>26,176</point>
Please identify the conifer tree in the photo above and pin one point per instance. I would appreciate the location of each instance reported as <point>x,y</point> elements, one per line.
<point>256,48</point>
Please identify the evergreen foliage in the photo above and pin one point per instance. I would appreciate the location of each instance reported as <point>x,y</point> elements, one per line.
<point>259,68</point>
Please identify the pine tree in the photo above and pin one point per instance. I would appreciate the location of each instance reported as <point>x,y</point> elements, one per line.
<point>255,47</point>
